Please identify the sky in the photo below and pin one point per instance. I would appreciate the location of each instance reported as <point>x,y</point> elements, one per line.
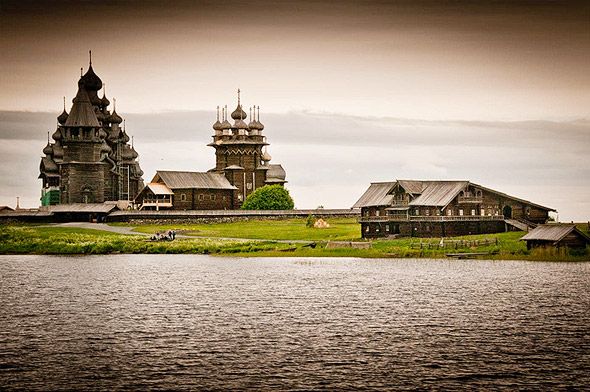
<point>350,92</point>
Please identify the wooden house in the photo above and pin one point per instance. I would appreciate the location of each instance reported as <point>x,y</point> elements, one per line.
<point>181,190</point>
<point>441,209</point>
<point>556,235</point>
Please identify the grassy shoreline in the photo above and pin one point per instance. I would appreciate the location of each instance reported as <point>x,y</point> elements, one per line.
<point>288,238</point>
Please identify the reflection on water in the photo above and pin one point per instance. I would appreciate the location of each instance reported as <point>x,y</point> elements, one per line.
<point>161,322</point>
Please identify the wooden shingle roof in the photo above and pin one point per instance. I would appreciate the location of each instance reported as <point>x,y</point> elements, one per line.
<point>82,113</point>
<point>376,195</point>
<point>439,193</point>
<point>188,180</point>
<point>552,232</point>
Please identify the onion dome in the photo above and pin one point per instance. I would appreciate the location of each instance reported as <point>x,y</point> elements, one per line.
<point>114,118</point>
<point>239,113</point>
<point>48,165</point>
<point>134,153</point>
<point>266,156</point>
<point>56,135</point>
<point>225,125</point>
<point>260,125</point>
<point>90,80</point>
<point>104,148</point>
<point>63,117</point>
<point>101,116</point>
<point>104,101</point>
<point>94,99</point>
<point>240,124</point>
<point>124,137</point>
<point>48,150</point>
<point>58,151</point>
<point>127,154</point>
<point>217,126</point>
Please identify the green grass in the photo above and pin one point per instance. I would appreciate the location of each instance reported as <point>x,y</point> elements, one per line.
<point>341,229</point>
<point>33,239</point>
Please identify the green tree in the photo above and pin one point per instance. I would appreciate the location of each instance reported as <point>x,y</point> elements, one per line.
<point>269,197</point>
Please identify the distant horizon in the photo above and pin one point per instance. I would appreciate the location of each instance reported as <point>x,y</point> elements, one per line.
<point>350,92</point>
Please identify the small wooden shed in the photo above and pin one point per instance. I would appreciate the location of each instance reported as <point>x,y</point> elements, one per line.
<point>556,235</point>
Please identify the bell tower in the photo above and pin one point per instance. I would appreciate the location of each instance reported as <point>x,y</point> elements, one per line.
<point>239,151</point>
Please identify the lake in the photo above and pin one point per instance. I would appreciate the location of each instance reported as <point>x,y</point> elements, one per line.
<point>199,322</point>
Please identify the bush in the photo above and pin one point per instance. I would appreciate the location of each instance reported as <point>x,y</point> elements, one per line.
<point>269,197</point>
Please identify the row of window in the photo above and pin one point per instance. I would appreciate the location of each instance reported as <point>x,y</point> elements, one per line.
<point>201,197</point>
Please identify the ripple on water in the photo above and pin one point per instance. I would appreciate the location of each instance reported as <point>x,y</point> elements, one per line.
<point>188,322</point>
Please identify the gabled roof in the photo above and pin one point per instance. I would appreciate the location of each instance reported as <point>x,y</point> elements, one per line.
<point>553,232</point>
<point>412,186</point>
<point>186,180</point>
<point>514,198</point>
<point>376,195</point>
<point>439,193</point>
<point>159,188</point>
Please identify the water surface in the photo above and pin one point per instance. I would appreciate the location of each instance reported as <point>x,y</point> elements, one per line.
<point>198,322</point>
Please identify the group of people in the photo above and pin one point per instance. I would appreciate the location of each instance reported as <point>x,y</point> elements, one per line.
<point>168,236</point>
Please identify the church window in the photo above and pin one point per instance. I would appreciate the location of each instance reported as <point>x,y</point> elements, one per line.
<point>249,186</point>
<point>201,197</point>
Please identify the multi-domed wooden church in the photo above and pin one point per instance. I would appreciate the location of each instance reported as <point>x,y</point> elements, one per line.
<point>242,165</point>
<point>90,160</point>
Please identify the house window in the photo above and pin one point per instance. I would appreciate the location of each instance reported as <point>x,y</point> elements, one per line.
<point>483,212</point>
<point>213,197</point>
<point>460,212</point>
<point>183,197</point>
<point>437,212</point>
<point>449,212</point>
<point>201,197</point>
<point>387,228</point>
<point>377,213</point>
<point>416,212</point>
<point>472,212</point>
<point>490,212</point>
<point>427,211</point>
<point>223,198</point>
<point>366,229</point>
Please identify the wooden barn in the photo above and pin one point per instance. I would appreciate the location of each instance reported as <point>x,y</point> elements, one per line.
<point>181,190</point>
<point>556,235</point>
<point>443,209</point>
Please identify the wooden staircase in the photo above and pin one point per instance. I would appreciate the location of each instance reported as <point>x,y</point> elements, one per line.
<point>520,224</point>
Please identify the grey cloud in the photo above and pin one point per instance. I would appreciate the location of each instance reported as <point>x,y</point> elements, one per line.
<point>331,158</point>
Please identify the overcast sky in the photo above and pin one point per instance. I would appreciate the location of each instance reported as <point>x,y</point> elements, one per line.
<point>350,92</point>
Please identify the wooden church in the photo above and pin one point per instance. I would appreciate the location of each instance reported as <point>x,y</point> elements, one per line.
<point>90,159</point>
<point>242,165</point>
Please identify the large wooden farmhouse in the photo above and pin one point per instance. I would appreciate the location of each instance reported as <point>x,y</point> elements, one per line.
<point>90,160</point>
<point>442,208</point>
<point>242,165</point>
